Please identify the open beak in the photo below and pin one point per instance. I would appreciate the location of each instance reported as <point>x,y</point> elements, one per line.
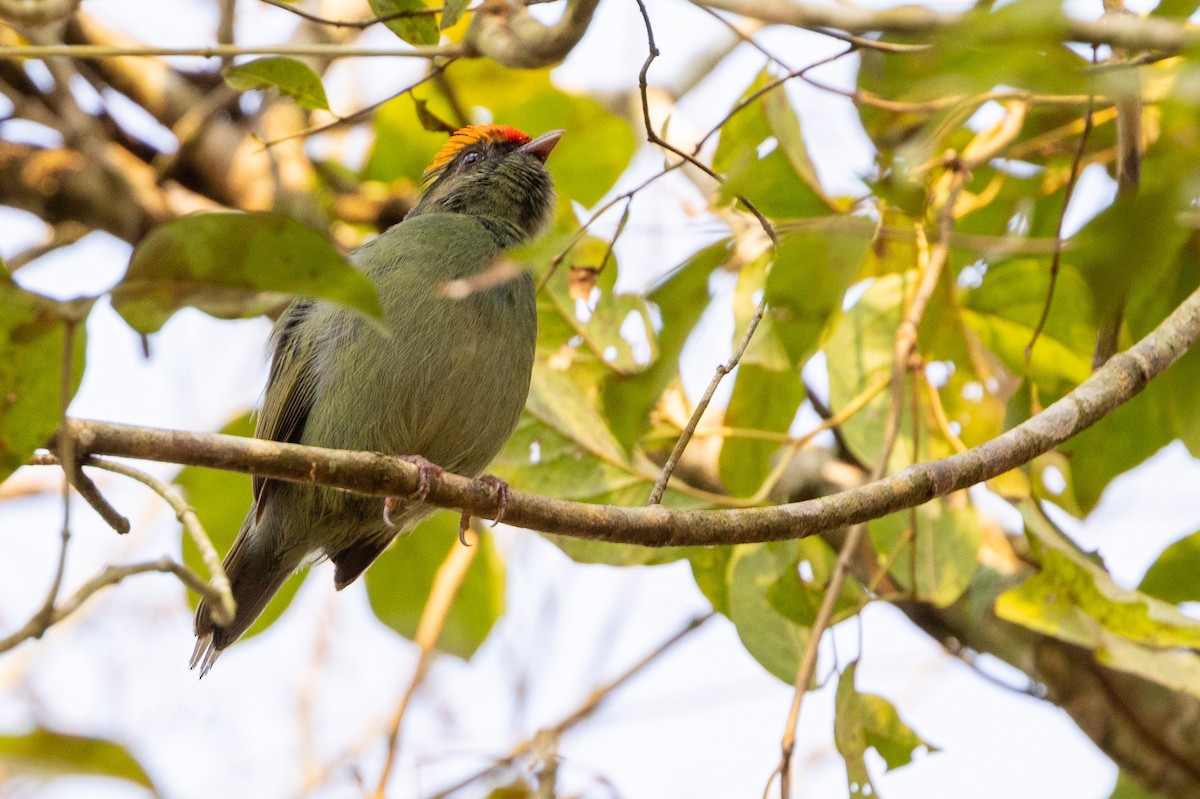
<point>541,147</point>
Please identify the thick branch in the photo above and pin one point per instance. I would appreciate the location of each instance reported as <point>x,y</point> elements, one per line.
<point>1117,382</point>
<point>505,31</point>
<point>1133,32</point>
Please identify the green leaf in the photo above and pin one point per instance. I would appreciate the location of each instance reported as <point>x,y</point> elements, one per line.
<point>562,336</point>
<point>32,341</point>
<point>44,754</point>
<point>418,30</point>
<point>775,640</point>
<point>762,154</point>
<point>1127,788</point>
<point>764,399</point>
<point>234,266</point>
<point>865,721</point>
<point>404,145</point>
<point>1004,312</point>
<point>452,11</point>
<point>766,393</point>
<point>681,299</point>
<point>294,78</point>
<point>710,570</point>
<point>1074,599</point>
<point>861,351</point>
<point>774,609</point>
<point>1131,242</point>
<point>1175,9</point>
<point>221,500</point>
<point>1172,577</point>
<point>563,448</point>
<point>399,583</point>
<point>808,281</point>
<point>942,554</point>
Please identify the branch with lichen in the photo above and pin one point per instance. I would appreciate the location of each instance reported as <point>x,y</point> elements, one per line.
<point>1117,382</point>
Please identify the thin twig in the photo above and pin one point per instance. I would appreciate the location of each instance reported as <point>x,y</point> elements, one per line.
<point>984,147</point>
<point>90,492</point>
<point>216,590</point>
<point>436,69</point>
<point>361,24</point>
<point>1055,259</point>
<point>585,710</point>
<point>685,437</point>
<point>583,229</point>
<point>111,575</point>
<point>446,584</point>
<point>1116,383</point>
<point>230,50</point>
<point>755,95</point>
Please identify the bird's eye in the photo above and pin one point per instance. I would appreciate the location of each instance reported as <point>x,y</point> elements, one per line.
<point>470,159</point>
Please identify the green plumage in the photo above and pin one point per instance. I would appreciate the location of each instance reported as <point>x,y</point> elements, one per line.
<point>444,378</point>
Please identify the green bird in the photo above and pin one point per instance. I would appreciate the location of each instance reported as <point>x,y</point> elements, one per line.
<point>443,381</point>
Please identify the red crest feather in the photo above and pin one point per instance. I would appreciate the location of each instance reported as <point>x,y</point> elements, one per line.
<point>465,137</point>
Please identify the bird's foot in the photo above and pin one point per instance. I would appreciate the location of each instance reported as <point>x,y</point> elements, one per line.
<point>502,497</point>
<point>426,471</point>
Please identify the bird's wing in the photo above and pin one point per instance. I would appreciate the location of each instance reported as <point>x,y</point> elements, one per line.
<point>290,389</point>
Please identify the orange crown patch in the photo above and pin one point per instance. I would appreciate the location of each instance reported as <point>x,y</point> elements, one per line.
<point>464,137</point>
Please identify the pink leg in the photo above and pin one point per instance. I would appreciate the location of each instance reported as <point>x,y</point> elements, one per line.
<point>502,498</point>
<point>426,471</point>
<point>503,495</point>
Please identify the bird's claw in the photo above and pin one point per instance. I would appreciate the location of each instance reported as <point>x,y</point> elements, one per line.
<point>426,471</point>
<point>389,506</point>
<point>503,495</point>
<point>502,498</point>
<point>464,521</point>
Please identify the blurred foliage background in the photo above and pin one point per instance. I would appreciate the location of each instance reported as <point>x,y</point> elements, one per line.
<point>982,198</point>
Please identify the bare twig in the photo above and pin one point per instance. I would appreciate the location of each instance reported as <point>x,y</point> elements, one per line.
<point>585,710</point>
<point>1118,381</point>
<point>217,590</point>
<point>230,50</point>
<point>111,575</point>
<point>446,584</point>
<point>1131,31</point>
<point>436,70</point>
<point>685,437</point>
<point>1056,258</point>
<point>983,148</point>
<point>361,24</point>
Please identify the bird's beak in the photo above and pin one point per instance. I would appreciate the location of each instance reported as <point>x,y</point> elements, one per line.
<point>541,147</point>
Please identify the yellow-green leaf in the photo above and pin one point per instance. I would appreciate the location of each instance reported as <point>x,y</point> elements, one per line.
<point>234,266</point>
<point>416,29</point>
<point>45,754</point>
<point>32,341</point>
<point>399,583</point>
<point>294,78</point>
<point>866,721</point>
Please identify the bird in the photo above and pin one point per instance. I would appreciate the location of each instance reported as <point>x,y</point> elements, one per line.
<point>441,382</point>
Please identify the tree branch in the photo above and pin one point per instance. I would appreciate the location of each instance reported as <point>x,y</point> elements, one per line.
<point>230,50</point>
<point>378,475</point>
<point>505,31</point>
<point>1133,32</point>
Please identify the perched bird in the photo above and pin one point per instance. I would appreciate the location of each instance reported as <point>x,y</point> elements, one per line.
<point>443,381</point>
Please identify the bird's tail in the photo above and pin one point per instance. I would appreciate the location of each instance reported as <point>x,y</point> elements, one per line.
<point>256,570</point>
